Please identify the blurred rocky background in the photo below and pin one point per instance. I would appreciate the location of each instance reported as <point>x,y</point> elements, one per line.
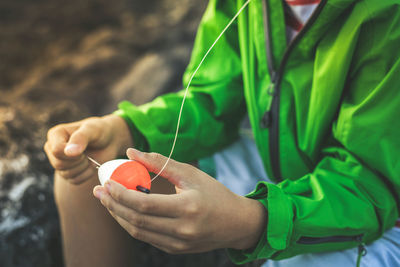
<point>62,61</point>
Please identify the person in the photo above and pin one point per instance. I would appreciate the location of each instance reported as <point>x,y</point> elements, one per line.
<point>322,156</point>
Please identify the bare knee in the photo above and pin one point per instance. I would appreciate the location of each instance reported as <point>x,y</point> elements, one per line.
<point>82,219</point>
<point>71,197</point>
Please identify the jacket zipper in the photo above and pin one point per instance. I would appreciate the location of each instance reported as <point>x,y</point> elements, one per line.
<point>305,240</point>
<point>270,118</point>
<point>362,251</point>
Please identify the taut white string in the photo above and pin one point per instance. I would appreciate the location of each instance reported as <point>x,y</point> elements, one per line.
<point>190,81</point>
<point>98,165</point>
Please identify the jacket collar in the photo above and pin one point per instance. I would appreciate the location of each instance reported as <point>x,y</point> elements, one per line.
<point>327,14</point>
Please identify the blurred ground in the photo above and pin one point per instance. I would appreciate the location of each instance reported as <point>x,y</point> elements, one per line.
<point>61,61</point>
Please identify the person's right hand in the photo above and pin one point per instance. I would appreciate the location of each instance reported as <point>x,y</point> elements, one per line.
<point>102,138</point>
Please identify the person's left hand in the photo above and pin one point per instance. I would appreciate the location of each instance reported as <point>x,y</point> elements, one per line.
<point>202,215</point>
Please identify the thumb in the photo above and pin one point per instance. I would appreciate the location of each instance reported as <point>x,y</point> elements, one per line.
<point>79,141</point>
<point>175,172</point>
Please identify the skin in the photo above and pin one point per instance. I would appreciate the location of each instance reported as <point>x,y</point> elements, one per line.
<point>90,236</point>
<point>203,215</point>
<point>200,215</point>
<point>101,138</point>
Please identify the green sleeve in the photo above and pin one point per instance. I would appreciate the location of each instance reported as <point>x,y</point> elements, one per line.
<point>215,102</point>
<point>352,195</point>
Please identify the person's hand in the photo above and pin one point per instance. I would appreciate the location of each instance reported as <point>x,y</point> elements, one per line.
<point>102,138</point>
<point>202,215</point>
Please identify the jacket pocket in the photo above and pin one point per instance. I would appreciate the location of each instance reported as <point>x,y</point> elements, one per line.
<point>308,244</point>
<point>337,239</point>
<point>305,240</point>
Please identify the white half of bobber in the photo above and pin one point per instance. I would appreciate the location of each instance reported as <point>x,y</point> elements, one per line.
<point>107,169</point>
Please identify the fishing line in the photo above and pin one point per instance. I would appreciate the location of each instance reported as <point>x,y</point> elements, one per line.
<point>190,81</point>
<point>185,94</point>
<point>93,161</point>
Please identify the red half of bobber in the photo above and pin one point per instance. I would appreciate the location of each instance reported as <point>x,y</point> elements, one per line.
<point>132,174</point>
<point>129,173</point>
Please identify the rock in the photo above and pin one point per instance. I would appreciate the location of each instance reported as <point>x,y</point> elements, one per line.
<point>29,231</point>
<point>153,72</point>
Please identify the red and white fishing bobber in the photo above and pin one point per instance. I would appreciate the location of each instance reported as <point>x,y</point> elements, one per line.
<point>129,173</point>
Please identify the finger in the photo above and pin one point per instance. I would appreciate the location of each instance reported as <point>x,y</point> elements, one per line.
<point>76,170</point>
<point>89,173</point>
<point>164,242</point>
<point>62,164</point>
<point>162,225</point>
<point>80,139</point>
<point>57,138</point>
<point>175,172</point>
<point>153,204</point>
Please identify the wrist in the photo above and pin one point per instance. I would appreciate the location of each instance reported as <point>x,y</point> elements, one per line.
<point>253,222</point>
<point>120,132</point>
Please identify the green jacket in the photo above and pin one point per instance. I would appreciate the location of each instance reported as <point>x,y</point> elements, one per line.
<point>325,112</point>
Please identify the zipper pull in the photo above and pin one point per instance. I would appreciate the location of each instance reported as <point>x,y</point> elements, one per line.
<point>267,117</point>
<point>362,251</point>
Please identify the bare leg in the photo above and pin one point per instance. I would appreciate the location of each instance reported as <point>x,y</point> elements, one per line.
<point>91,237</point>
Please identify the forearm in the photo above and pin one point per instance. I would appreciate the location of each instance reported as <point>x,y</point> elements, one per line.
<point>204,126</point>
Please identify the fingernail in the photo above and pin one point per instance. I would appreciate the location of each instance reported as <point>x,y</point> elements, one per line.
<point>108,186</point>
<point>98,193</point>
<point>71,149</point>
<point>134,151</point>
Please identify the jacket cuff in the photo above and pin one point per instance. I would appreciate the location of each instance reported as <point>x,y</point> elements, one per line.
<point>279,226</point>
<point>131,115</point>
